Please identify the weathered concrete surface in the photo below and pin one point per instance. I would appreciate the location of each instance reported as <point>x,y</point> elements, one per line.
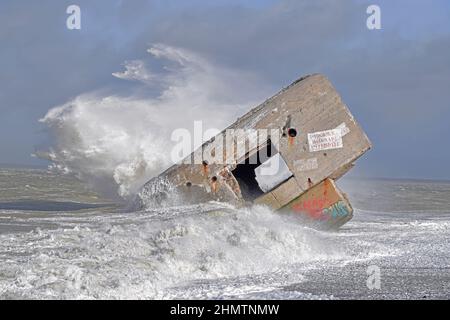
<point>319,139</point>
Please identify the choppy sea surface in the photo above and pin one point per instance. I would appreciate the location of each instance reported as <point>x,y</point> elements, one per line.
<point>58,240</point>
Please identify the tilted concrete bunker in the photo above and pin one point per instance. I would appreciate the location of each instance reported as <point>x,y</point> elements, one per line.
<point>305,129</point>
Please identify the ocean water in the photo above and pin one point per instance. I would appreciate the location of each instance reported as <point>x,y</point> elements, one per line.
<point>59,240</point>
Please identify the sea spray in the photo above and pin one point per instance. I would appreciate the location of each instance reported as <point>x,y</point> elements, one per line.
<point>124,140</point>
<point>213,250</point>
<point>149,254</point>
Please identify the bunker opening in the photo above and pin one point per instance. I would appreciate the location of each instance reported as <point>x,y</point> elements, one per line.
<point>261,172</point>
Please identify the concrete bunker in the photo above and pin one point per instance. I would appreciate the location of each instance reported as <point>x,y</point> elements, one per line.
<point>320,141</point>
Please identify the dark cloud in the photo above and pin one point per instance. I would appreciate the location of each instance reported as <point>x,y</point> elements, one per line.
<point>394,80</point>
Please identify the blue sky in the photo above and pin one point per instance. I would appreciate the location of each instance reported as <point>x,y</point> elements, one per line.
<point>395,80</point>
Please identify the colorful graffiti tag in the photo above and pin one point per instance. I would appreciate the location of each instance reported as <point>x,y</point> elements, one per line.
<point>338,210</point>
<point>320,209</point>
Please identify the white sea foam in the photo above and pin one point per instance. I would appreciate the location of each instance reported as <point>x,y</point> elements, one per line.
<point>214,250</point>
<point>125,140</point>
<point>141,255</point>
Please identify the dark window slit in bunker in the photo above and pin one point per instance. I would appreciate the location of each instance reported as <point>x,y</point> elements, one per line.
<point>245,171</point>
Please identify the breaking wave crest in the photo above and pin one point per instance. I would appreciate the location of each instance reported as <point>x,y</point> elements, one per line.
<point>155,254</point>
<point>124,140</point>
